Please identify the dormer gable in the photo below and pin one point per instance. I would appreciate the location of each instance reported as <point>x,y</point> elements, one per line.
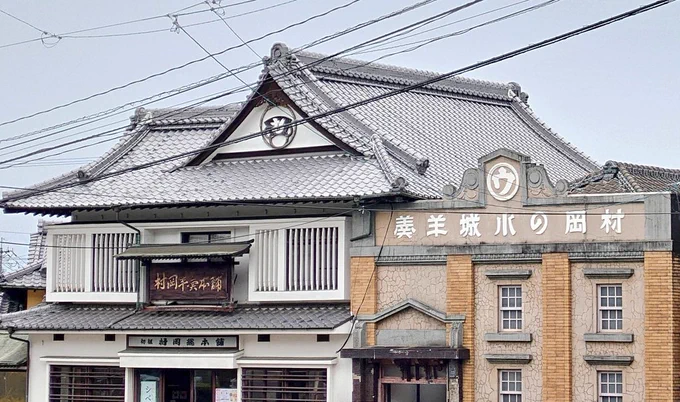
<point>266,127</point>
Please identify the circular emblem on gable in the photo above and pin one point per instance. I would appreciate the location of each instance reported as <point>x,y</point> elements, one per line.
<point>502,181</point>
<point>275,126</point>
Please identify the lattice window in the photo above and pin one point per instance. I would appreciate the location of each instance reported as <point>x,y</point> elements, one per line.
<point>610,386</point>
<point>86,383</point>
<point>510,308</point>
<point>510,386</point>
<point>610,307</point>
<point>283,384</point>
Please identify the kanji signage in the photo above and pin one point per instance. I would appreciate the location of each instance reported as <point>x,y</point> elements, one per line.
<point>189,281</point>
<point>495,224</point>
<point>188,342</point>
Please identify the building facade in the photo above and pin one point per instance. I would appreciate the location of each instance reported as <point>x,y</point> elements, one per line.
<point>518,289</point>
<point>221,253</point>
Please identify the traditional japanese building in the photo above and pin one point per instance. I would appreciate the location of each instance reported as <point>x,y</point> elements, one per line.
<point>517,288</point>
<point>239,268</point>
<point>20,290</point>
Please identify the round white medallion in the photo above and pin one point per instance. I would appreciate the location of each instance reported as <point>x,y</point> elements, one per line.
<point>502,181</point>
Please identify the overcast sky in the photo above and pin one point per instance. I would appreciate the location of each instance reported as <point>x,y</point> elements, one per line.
<point>613,93</point>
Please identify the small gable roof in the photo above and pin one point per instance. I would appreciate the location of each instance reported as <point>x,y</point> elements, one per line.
<point>34,274</point>
<point>411,144</point>
<point>621,177</point>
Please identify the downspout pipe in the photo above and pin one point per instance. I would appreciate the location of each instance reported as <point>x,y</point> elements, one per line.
<point>10,332</point>
<point>138,305</point>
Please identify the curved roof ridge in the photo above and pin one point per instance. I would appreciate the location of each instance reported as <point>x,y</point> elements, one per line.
<point>405,70</point>
<point>397,181</point>
<point>133,134</point>
<point>528,115</point>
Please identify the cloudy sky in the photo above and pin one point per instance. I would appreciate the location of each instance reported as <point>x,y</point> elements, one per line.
<point>613,93</point>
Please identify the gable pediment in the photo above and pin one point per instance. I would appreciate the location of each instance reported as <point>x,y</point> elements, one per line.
<point>266,127</point>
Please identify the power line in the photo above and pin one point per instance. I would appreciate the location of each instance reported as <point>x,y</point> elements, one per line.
<point>164,30</point>
<point>215,78</point>
<point>189,63</point>
<point>425,83</point>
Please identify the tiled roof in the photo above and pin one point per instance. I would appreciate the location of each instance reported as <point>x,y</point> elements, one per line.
<point>34,274</point>
<point>621,177</point>
<point>413,143</point>
<point>124,317</point>
<point>13,353</point>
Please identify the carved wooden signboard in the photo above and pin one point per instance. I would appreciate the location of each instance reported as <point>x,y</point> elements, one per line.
<point>189,281</point>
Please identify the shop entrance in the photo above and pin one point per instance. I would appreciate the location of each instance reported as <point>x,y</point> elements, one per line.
<point>415,392</point>
<point>185,385</point>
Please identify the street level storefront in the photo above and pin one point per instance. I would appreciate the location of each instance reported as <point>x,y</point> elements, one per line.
<point>517,288</point>
<point>191,344</point>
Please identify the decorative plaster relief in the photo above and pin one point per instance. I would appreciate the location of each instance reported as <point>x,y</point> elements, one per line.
<point>584,302</point>
<point>410,319</point>
<point>486,321</point>
<point>424,283</point>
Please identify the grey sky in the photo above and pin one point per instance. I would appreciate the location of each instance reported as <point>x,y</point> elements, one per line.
<point>613,93</point>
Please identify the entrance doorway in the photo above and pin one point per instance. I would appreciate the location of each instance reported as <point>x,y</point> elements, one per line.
<point>185,385</point>
<point>415,392</point>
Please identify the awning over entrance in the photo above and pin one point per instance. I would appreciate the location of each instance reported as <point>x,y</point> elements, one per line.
<point>196,359</point>
<point>406,353</point>
<point>184,250</point>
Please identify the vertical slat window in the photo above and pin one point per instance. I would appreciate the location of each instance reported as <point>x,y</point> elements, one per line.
<point>313,253</point>
<point>108,273</point>
<point>86,383</point>
<point>267,260</point>
<point>70,252</point>
<point>282,384</point>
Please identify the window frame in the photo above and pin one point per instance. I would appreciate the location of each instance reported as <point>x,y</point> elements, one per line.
<point>229,234</point>
<point>287,376</point>
<point>510,394</point>
<point>501,309</point>
<point>90,373</point>
<point>608,308</point>
<point>607,397</point>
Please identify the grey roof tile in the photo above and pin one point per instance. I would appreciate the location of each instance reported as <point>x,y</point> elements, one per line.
<point>243,317</point>
<point>33,276</point>
<point>431,136</point>
<point>13,353</point>
<point>57,317</point>
<point>621,177</point>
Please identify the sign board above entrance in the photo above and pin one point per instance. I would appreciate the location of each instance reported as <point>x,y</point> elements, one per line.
<point>187,342</point>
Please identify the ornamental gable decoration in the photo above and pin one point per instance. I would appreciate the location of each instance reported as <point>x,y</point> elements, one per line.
<point>508,199</point>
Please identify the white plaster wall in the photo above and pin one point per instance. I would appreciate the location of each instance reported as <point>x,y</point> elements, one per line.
<point>301,346</point>
<point>306,136</point>
<point>73,346</point>
<point>295,347</point>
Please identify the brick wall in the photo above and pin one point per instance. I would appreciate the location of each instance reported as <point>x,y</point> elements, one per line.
<point>557,316</point>
<point>364,287</point>
<point>662,329</point>
<point>460,299</point>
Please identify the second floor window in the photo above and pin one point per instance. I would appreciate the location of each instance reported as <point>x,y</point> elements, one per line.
<point>510,308</point>
<point>610,307</point>
<point>206,238</point>
<point>510,386</point>
<point>610,386</point>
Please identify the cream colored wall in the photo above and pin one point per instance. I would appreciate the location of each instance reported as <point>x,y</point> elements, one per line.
<point>486,321</point>
<point>34,297</point>
<point>425,283</point>
<point>584,303</point>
